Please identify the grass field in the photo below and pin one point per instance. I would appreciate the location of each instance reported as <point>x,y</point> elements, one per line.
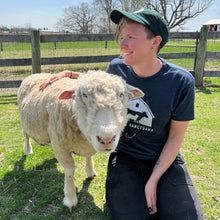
<point>32,187</point>
<point>62,49</point>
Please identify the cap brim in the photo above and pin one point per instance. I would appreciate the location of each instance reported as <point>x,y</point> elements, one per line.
<point>116,16</point>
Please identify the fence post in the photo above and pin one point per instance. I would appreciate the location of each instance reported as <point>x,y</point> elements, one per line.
<point>35,47</point>
<point>200,56</point>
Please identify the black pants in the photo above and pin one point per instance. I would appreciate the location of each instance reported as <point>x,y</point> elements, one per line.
<point>126,178</point>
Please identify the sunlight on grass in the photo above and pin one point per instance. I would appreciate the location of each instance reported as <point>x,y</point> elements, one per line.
<point>64,49</point>
<point>32,187</point>
<point>201,148</point>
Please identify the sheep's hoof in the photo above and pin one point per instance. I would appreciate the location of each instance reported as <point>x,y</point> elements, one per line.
<point>28,153</point>
<point>70,203</point>
<point>28,150</point>
<point>70,209</point>
<point>91,174</point>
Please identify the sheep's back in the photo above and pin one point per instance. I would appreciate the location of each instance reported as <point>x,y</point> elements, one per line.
<point>42,110</point>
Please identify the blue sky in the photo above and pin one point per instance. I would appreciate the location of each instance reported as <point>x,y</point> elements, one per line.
<point>45,13</point>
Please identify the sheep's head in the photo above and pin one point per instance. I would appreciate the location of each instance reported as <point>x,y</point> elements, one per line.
<point>101,102</point>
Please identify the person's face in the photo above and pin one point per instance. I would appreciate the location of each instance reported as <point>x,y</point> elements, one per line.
<point>134,45</point>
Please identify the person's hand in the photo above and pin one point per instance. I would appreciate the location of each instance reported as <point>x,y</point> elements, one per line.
<point>52,80</point>
<point>59,76</point>
<point>151,196</point>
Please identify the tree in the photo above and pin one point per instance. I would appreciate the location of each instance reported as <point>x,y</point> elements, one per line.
<point>131,5</point>
<point>4,28</point>
<point>177,12</point>
<point>86,19</point>
<point>78,19</point>
<point>106,6</point>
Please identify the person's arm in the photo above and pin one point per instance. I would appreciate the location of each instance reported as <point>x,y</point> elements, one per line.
<point>58,76</point>
<point>167,156</point>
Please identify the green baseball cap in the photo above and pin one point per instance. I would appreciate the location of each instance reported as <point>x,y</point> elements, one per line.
<point>152,19</point>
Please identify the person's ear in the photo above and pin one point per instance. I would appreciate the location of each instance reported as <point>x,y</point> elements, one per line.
<point>156,41</point>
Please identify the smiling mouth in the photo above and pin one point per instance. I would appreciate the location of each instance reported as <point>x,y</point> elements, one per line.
<point>125,54</point>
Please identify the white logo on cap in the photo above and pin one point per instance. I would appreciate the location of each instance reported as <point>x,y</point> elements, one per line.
<point>139,11</point>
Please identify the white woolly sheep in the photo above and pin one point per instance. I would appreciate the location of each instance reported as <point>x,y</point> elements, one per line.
<point>89,118</point>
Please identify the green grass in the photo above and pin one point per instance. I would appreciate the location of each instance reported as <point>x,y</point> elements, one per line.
<point>201,148</point>
<point>60,45</point>
<point>32,187</point>
<point>23,50</point>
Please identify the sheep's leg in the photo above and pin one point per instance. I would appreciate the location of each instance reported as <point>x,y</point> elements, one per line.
<point>90,167</point>
<point>27,145</point>
<point>66,160</point>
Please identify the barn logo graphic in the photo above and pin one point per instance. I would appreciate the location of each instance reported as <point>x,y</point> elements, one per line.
<point>140,115</point>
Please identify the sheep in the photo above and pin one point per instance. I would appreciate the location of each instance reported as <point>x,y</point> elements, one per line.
<point>82,116</point>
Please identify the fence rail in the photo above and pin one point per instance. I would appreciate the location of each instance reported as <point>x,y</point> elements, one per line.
<point>36,61</point>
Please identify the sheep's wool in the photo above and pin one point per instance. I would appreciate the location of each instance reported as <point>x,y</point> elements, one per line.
<point>90,121</point>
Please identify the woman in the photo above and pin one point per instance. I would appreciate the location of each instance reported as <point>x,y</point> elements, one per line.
<point>146,175</point>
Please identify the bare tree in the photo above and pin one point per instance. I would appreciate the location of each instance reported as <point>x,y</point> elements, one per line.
<point>131,5</point>
<point>177,12</point>
<point>106,6</point>
<point>4,28</point>
<point>86,19</point>
<point>78,19</point>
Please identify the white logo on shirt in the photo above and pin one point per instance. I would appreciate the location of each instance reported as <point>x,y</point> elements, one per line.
<point>140,115</point>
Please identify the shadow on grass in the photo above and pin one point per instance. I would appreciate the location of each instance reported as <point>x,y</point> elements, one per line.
<point>207,89</point>
<point>8,99</point>
<point>38,194</point>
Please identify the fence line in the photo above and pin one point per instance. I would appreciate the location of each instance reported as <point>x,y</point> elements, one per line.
<point>36,61</point>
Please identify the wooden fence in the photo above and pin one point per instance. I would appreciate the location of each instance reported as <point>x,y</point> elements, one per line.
<point>199,55</point>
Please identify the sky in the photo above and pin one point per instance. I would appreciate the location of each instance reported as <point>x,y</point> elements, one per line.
<point>45,13</point>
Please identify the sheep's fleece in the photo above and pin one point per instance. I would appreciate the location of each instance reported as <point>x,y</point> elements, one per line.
<point>80,116</point>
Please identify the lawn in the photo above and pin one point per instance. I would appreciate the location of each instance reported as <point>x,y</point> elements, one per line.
<point>32,187</point>
<point>64,49</point>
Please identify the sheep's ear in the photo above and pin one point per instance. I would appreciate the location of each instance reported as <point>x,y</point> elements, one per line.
<point>134,92</point>
<point>67,94</point>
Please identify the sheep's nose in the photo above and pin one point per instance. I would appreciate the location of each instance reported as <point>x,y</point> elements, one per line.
<point>106,141</point>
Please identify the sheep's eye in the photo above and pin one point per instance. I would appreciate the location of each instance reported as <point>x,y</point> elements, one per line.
<point>121,96</point>
<point>84,95</point>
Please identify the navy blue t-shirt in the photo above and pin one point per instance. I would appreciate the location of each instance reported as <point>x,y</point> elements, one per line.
<point>169,94</point>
